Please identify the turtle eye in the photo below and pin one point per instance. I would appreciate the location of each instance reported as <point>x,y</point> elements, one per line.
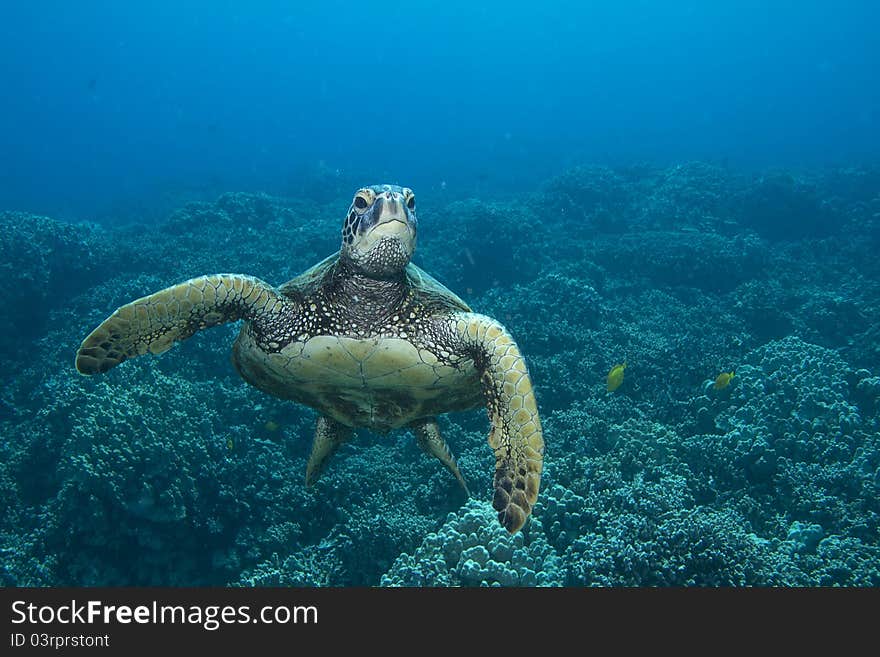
<point>360,202</point>
<point>411,202</point>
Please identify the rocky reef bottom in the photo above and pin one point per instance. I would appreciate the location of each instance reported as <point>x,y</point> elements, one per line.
<point>171,470</point>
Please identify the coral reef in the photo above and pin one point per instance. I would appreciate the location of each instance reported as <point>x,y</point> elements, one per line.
<point>173,471</point>
<point>43,261</point>
<point>472,549</point>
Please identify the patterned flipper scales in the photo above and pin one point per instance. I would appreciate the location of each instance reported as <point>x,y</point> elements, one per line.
<point>153,323</point>
<point>515,436</point>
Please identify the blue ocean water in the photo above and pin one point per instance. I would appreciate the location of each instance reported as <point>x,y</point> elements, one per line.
<point>110,102</point>
<point>688,188</point>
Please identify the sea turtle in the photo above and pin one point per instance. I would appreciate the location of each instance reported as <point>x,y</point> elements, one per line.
<point>364,337</point>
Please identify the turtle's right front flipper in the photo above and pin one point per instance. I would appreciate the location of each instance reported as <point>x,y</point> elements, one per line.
<point>516,436</point>
<point>153,323</point>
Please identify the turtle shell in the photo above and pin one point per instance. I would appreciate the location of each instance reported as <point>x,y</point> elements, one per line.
<point>377,381</point>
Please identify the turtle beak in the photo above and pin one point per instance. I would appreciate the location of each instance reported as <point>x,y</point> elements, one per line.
<point>391,218</point>
<point>389,206</point>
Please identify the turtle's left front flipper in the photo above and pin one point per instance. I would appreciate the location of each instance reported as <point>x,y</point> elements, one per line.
<point>153,323</point>
<point>516,435</point>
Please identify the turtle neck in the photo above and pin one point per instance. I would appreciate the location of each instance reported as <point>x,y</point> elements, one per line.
<point>367,296</point>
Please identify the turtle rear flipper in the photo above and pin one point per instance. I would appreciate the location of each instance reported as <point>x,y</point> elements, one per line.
<point>153,323</point>
<point>329,436</point>
<point>429,439</point>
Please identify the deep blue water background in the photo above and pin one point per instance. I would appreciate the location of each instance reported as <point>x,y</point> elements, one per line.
<point>111,107</point>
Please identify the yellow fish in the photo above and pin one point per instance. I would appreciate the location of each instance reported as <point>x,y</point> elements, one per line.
<point>722,380</point>
<point>615,377</point>
<point>230,444</point>
<point>271,426</point>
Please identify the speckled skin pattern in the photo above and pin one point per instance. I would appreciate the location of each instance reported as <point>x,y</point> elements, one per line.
<point>366,339</point>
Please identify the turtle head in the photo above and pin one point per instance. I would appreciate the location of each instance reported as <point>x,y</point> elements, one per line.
<point>379,234</point>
